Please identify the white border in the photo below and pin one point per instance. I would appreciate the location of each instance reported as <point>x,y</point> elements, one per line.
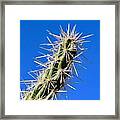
<point>104,13</point>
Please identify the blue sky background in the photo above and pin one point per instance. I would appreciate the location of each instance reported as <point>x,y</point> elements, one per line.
<point>33,33</point>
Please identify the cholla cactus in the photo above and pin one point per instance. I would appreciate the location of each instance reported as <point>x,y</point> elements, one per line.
<point>52,78</point>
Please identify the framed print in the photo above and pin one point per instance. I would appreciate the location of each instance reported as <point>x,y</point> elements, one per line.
<point>60,59</point>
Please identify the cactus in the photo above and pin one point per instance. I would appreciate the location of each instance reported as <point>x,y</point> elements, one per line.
<point>55,72</point>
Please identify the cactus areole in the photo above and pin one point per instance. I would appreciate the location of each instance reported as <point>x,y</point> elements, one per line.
<point>57,69</point>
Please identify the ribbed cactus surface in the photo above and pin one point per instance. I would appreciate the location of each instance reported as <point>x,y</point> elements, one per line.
<point>57,69</point>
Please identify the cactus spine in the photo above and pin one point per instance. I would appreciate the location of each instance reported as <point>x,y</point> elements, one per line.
<point>55,72</point>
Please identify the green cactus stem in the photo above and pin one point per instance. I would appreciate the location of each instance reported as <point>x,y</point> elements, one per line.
<point>58,67</point>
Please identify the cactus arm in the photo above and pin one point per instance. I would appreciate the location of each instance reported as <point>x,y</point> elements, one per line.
<point>53,77</point>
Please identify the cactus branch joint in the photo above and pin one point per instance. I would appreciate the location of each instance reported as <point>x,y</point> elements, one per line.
<point>52,77</point>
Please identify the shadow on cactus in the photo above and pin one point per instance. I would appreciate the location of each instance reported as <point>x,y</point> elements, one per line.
<point>50,80</point>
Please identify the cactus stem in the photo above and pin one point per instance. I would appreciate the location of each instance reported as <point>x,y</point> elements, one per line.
<point>58,68</point>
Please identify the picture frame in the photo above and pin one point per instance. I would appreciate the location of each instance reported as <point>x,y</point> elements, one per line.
<point>3,65</point>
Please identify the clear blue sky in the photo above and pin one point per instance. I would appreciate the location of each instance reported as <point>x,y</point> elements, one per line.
<point>33,33</point>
